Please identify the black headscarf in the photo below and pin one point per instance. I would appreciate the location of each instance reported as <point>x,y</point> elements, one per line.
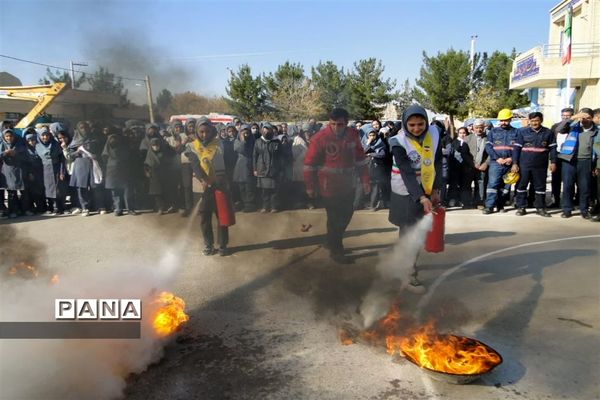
<point>412,111</point>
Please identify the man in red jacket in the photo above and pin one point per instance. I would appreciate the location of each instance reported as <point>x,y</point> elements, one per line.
<point>334,158</point>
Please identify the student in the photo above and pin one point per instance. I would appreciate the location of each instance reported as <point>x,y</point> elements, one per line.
<point>33,174</point>
<point>243,175</point>
<point>53,161</point>
<point>12,161</point>
<point>119,173</point>
<point>84,152</point>
<point>377,150</point>
<point>416,175</point>
<point>158,168</point>
<point>267,165</point>
<point>208,163</point>
<point>299,149</point>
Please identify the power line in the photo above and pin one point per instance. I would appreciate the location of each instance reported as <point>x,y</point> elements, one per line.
<point>66,69</point>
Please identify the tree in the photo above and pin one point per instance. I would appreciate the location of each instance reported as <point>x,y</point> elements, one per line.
<point>106,82</point>
<point>405,96</point>
<point>444,83</point>
<point>330,81</point>
<point>296,99</point>
<point>485,102</point>
<point>247,94</point>
<point>163,100</point>
<point>193,103</point>
<point>368,92</point>
<point>497,76</point>
<point>61,76</point>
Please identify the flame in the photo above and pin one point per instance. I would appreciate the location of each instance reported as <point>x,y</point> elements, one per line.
<point>24,270</point>
<point>426,347</point>
<point>55,279</point>
<point>446,353</point>
<point>170,315</point>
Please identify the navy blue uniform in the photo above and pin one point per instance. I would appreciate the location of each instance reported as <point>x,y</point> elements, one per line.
<point>533,163</point>
<point>501,143</point>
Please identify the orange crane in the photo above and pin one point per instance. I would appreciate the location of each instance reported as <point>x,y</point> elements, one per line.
<point>43,95</point>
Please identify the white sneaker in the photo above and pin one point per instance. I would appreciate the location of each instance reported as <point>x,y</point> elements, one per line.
<point>76,211</point>
<point>415,286</point>
<point>85,213</point>
<point>102,212</point>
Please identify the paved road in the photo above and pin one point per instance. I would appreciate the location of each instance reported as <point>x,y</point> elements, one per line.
<point>263,321</point>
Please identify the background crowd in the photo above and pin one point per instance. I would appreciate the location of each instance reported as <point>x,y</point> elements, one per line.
<point>106,168</point>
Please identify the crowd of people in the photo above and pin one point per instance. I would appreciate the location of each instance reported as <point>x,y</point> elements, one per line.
<point>120,169</point>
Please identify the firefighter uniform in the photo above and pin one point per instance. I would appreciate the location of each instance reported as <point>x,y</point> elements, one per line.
<point>533,164</point>
<point>501,143</point>
<point>335,161</point>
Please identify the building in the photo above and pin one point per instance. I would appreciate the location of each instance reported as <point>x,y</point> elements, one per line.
<point>541,72</point>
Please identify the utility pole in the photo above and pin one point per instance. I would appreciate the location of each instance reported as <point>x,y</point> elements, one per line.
<point>471,80</point>
<point>73,63</point>
<point>149,93</point>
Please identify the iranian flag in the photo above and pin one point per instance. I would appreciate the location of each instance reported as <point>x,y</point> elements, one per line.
<point>567,39</point>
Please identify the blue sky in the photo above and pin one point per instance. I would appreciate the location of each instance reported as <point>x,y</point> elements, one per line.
<point>191,44</point>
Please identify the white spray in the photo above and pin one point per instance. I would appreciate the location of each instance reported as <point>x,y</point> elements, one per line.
<point>84,368</point>
<point>394,268</point>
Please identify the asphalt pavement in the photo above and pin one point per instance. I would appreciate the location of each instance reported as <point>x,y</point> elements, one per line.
<point>264,321</point>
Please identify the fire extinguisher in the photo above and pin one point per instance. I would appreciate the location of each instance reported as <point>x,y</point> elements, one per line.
<point>225,211</point>
<point>434,242</point>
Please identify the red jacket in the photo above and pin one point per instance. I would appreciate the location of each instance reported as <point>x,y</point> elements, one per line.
<point>335,162</point>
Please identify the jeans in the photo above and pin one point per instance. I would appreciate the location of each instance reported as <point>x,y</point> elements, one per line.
<point>576,172</point>
<point>123,196</point>
<point>497,191</point>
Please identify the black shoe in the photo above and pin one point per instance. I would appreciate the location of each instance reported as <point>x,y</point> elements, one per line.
<point>487,211</point>
<point>185,213</point>
<point>340,258</point>
<point>596,218</point>
<point>118,213</point>
<point>566,214</point>
<point>586,215</point>
<point>502,210</point>
<point>224,251</point>
<point>521,211</point>
<point>542,212</point>
<point>554,205</point>
<point>208,251</point>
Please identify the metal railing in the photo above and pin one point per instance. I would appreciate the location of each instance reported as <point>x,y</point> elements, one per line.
<point>577,50</point>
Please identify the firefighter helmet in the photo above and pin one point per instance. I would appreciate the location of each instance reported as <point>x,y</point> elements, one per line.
<point>504,114</point>
<point>510,178</point>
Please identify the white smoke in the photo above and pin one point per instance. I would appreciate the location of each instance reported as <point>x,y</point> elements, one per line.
<point>81,368</point>
<point>394,268</point>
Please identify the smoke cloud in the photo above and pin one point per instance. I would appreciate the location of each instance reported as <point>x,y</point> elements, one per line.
<point>394,267</point>
<point>134,57</point>
<point>82,368</point>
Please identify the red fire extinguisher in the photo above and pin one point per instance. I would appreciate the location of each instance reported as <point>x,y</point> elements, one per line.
<point>434,242</point>
<point>225,211</point>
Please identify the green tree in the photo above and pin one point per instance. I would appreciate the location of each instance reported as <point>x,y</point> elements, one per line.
<point>104,81</point>
<point>61,76</point>
<point>497,76</point>
<point>330,81</point>
<point>406,96</point>
<point>296,100</point>
<point>247,95</point>
<point>444,83</point>
<point>368,92</point>
<point>164,99</point>
<point>485,102</point>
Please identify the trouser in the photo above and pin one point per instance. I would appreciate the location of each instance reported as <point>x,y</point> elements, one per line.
<point>33,201</point>
<point>248,194</point>
<point>13,201</point>
<point>576,172</point>
<point>57,204</point>
<point>414,271</point>
<point>270,199</point>
<point>122,197</point>
<point>2,197</point>
<point>359,195</point>
<point>556,183</point>
<point>465,186</point>
<point>339,214</point>
<point>86,195</point>
<point>207,230</point>
<point>497,191</point>
<point>480,184</point>
<point>537,178</point>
